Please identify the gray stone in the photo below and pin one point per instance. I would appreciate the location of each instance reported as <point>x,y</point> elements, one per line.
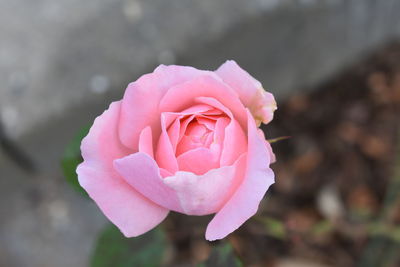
<point>52,53</point>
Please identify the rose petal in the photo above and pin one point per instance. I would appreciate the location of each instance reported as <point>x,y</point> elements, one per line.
<point>261,103</point>
<point>186,144</point>
<point>203,86</point>
<point>141,172</point>
<point>205,194</point>
<point>244,202</point>
<point>196,130</point>
<point>184,124</point>
<point>146,142</point>
<point>173,133</point>
<point>268,145</point>
<point>123,205</point>
<point>170,117</point>
<point>211,101</point>
<point>271,152</point>
<point>164,173</point>
<point>209,123</point>
<point>219,133</point>
<point>197,109</point>
<point>240,80</point>
<point>235,142</point>
<point>212,112</point>
<point>142,97</point>
<point>172,122</point>
<point>165,155</point>
<point>209,137</point>
<point>198,161</point>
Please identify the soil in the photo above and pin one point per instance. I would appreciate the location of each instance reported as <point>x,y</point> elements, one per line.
<point>330,205</point>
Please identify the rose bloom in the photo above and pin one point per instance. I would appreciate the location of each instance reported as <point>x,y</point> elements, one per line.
<point>182,140</point>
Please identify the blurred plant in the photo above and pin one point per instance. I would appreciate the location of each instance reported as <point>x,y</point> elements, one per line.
<point>72,158</point>
<point>222,255</point>
<point>273,227</point>
<point>277,229</point>
<point>384,246</point>
<point>113,249</point>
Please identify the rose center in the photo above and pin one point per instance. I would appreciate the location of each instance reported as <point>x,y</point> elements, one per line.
<point>197,134</point>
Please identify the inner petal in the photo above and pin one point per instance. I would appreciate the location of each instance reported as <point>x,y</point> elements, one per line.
<point>173,133</point>
<point>165,155</point>
<point>198,161</point>
<point>196,135</point>
<point>200,130</point>
<point>186,144</point>
<point>196,131</point>
<point>184,124</point>
<point>207,122</point>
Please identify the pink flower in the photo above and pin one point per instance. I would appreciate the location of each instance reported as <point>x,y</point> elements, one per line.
<point>185,140</point>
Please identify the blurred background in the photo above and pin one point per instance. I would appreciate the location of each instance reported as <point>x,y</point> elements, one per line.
<point>334,66</point>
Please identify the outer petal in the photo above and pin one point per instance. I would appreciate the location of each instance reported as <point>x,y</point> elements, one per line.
<point>268,145</point>
<point>261,103</point>
<point>142,172</point>
<point>205,194</point>
<point>244,202</point>
<point>122,204</point>
<point>141,99</point>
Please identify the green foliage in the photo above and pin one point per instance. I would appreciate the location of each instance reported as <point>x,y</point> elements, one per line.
<point>322,227</point>
<point>113,249</point>
<point>222,255</point>
<point>384,246</point>
<point>72,158</point>
<point>273,227</point>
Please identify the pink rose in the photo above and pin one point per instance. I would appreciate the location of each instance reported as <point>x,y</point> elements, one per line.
<point>184,140</point>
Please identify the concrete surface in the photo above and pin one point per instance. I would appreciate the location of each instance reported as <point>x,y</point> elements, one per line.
<point>43,221</point>
<point>62,62</point>
<point>55,55</point>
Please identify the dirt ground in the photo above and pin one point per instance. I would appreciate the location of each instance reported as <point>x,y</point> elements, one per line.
<point>336,198</point>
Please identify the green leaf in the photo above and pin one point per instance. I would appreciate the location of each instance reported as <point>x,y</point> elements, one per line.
<point>113,249</point>
<point>72,158</point>
<point>222,255</point>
